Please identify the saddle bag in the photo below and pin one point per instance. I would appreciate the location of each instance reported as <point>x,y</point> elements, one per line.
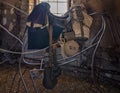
<point>69,36</point>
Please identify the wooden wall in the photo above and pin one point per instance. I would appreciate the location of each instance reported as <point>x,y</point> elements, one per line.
<point>12,19</point>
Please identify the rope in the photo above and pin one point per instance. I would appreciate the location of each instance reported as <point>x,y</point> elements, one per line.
<point>93,56</point>
<point>11,34</point>
<point>21,53</point>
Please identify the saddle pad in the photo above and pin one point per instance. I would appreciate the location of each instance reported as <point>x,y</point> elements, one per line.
<point>37,38</point>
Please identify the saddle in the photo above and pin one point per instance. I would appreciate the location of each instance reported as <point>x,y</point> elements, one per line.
<point>37,24</point>
<point>72,27</point>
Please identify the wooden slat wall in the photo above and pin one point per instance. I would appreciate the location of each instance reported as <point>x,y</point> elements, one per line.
<point>17,19</point>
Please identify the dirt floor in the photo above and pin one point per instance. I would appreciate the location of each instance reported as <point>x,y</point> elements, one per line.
<point>10,82</point>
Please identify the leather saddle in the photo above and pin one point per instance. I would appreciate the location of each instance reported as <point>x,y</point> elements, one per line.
<point>37,24</point>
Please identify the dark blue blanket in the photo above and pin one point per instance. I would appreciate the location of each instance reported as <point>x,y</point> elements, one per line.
<point>39,38</point>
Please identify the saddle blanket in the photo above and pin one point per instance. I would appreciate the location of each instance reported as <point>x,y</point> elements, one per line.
<point>39,38</point>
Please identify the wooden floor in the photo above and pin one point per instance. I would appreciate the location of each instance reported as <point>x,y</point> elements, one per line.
<point>10,82</point>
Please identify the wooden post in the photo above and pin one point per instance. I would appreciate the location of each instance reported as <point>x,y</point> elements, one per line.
<point>69,4</point>
<point>35,2</point>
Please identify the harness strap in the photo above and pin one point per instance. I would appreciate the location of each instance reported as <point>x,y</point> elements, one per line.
<point>80,19</point>
<point>36,25</point>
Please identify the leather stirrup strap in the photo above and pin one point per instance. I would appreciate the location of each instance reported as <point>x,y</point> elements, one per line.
<point>50,45</point>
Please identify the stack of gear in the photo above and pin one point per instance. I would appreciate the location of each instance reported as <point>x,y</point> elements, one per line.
<point>73,41</point>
